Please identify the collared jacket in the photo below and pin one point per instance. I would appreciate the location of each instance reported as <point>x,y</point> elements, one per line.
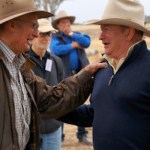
<point>52,102</point>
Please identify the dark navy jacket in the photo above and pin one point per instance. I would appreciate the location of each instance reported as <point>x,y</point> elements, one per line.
<point>121,105</point>
<point>52,78</point>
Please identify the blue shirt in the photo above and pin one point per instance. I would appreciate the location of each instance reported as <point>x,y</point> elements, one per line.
<point>61,46</point>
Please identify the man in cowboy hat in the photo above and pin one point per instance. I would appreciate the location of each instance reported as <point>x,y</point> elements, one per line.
<point>50,68</point>
<point>23,94</point>
<point>70,47</point>
<point>120,101</point>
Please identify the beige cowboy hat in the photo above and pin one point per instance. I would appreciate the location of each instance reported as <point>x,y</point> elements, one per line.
<point>44,26</point>
<point>11,9</point>
<point>62,15</point>
<point>124,12</point>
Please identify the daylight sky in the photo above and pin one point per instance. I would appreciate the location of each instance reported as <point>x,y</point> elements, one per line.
<point>91,9</point>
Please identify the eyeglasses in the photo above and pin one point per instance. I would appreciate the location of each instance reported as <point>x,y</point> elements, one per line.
<point>44,34</point>
<point>34,25</point>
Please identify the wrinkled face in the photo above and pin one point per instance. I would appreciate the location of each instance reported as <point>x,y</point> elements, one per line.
<point>42,42</point>
<point>114,39</point>
<point>64,25</point>
<point>24,30</point>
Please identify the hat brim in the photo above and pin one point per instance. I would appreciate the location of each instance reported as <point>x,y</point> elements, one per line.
<point>40,14</point>
<point>120,21</point>
<point>54,22</point>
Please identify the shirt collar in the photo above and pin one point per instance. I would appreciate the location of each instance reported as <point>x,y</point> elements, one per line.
<point>122,60</point>
<point>6,52</point>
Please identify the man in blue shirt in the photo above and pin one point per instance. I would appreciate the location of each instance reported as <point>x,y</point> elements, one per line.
<point>70,47</point>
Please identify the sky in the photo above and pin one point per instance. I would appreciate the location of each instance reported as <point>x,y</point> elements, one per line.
<point>85,10</point>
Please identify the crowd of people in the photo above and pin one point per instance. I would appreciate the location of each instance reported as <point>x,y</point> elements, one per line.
<point>46,78</point>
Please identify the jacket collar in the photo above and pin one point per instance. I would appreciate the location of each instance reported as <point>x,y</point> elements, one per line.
<point>29,64</point>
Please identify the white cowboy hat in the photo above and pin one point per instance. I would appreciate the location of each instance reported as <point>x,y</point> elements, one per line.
<point>62,15</point>
<point>14,8</point>
<point>124,12</point>
<point>44,26</point>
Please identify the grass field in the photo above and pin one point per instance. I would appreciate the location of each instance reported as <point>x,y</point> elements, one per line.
<point>71,142</point>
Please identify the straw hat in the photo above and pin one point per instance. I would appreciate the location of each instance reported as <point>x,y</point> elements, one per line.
<point>44,26</point>
<point>15,8</point>
<point>62,15</point>
<point>124,12</point>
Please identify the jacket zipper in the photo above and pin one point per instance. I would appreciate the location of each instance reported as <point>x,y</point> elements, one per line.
<point>110,80</point>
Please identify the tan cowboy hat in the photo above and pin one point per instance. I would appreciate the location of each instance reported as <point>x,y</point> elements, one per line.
<point>62,15</point>
<point>44,26</point>
<point>14,8</point>
<point>124,12</point>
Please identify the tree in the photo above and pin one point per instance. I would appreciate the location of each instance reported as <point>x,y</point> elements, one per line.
<point>49,5</point>
<point>147,19</point>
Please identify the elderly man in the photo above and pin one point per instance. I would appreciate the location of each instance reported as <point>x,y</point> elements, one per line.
<point>120,101</point>
<point>50,68</point>
<point>23,94</point>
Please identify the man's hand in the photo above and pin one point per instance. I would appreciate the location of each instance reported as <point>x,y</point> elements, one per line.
<point>76,45</point>
<point>93,68</point>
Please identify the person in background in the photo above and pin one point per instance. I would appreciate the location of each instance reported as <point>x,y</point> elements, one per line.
<point>50,68</point>
<point>70,47</point>
<point>23,95</point>
<point>120,101</point>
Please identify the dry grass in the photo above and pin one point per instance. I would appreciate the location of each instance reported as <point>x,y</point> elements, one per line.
<point>71,142</point>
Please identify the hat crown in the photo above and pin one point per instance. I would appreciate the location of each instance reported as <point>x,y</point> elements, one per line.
<point>43,22</point>
<point>61,14</point>
<point>130,10</point>
<point>44,25</point>
<point>128,13</point>
<point>11,7</point>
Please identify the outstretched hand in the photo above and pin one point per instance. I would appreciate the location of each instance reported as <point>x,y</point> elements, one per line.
<point>93,68</point>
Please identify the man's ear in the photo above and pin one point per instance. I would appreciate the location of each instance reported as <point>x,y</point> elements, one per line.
<point>131,33</point>
<point>11,25</point>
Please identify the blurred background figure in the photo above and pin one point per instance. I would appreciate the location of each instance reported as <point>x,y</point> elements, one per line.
<point>50,68</point>
<point>70,47</point>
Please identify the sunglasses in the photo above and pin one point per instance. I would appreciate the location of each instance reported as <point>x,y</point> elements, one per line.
<point>44,34</point>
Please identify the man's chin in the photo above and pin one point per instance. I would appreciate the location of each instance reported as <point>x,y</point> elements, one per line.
<point>43,46</point>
